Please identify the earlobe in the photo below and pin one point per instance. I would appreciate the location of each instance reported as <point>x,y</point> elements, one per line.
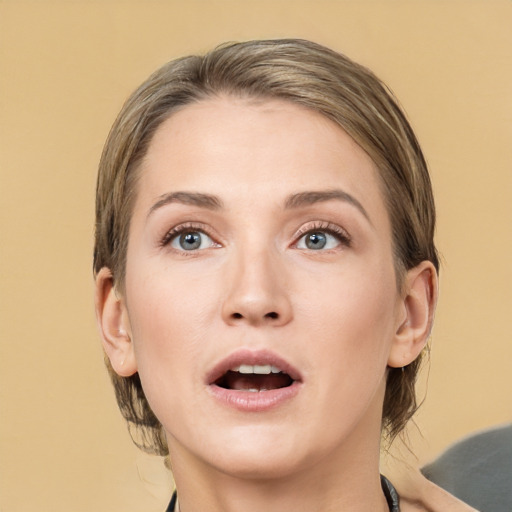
<point>114,326</point>
<point>415,323</point>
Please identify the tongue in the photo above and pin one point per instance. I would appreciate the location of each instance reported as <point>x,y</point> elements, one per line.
<point>246,382</point>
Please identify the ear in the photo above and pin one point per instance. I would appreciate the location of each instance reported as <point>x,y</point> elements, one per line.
<point>114,325</point>
<point>416,316</point>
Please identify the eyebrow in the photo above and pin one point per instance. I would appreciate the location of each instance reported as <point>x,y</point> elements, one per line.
<point>293,201</point>
<point>309,198</point>
<point>207,201</point>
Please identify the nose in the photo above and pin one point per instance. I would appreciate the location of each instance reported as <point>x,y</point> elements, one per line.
<point>257,291</point>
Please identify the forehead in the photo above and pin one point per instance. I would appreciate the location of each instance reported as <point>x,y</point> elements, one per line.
<point>226,142</point>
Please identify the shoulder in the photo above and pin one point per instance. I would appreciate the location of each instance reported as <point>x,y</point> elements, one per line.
<point>490,448</point>
<point>496,440</point>
<point>477,469</point>
<point>417,494</point>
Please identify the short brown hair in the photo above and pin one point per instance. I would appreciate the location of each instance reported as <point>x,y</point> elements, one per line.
<point>293,70</point>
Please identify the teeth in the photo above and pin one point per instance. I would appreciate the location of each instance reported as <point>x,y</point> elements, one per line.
<point>245,368</point>
<point>263,369</point>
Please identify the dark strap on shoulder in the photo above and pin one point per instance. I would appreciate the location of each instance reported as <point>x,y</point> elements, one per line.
<point>172,504</point>
<point>391,495</point>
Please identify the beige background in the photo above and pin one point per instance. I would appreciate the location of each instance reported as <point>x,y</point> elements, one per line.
<point>65,69</point>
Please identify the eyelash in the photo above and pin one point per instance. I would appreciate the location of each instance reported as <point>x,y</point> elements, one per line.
<point>324,227</point>
<point>184,228</point>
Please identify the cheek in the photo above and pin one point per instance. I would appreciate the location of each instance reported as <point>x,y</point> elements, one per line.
<point>168,336</point>
<point>351,322</point>
<point>357,297</point>
<point>169,315</point>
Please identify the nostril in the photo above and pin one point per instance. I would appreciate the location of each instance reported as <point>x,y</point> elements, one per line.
<point>272,315</point>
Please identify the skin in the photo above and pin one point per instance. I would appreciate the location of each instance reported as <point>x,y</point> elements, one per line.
<point>335,313</point>
<point>419,494</point>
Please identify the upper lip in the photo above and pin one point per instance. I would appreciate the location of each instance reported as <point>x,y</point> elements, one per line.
<point>251,357</point>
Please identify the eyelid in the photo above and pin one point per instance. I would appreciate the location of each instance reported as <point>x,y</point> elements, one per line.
<point>175,231</point>
<point>324,226</point>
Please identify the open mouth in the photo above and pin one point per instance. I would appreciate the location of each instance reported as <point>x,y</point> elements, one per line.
<point>254,378</point>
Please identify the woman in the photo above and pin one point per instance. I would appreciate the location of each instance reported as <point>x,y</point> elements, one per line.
<point>266,276</point>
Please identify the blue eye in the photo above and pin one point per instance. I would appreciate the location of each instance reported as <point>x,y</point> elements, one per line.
<point>191,241</point>
<point>318,240</point>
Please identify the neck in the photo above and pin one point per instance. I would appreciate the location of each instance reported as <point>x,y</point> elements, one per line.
<point>347,481</point>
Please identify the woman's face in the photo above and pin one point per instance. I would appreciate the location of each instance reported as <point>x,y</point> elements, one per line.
<point>260,291</point>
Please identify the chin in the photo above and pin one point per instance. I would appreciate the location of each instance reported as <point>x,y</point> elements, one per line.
<point>258,466</point>
<point>258,454</point>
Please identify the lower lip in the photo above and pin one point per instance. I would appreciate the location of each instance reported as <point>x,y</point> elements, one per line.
<point>252,401</point>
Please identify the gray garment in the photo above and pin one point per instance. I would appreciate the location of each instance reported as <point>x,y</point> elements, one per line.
<point>478,470</point>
